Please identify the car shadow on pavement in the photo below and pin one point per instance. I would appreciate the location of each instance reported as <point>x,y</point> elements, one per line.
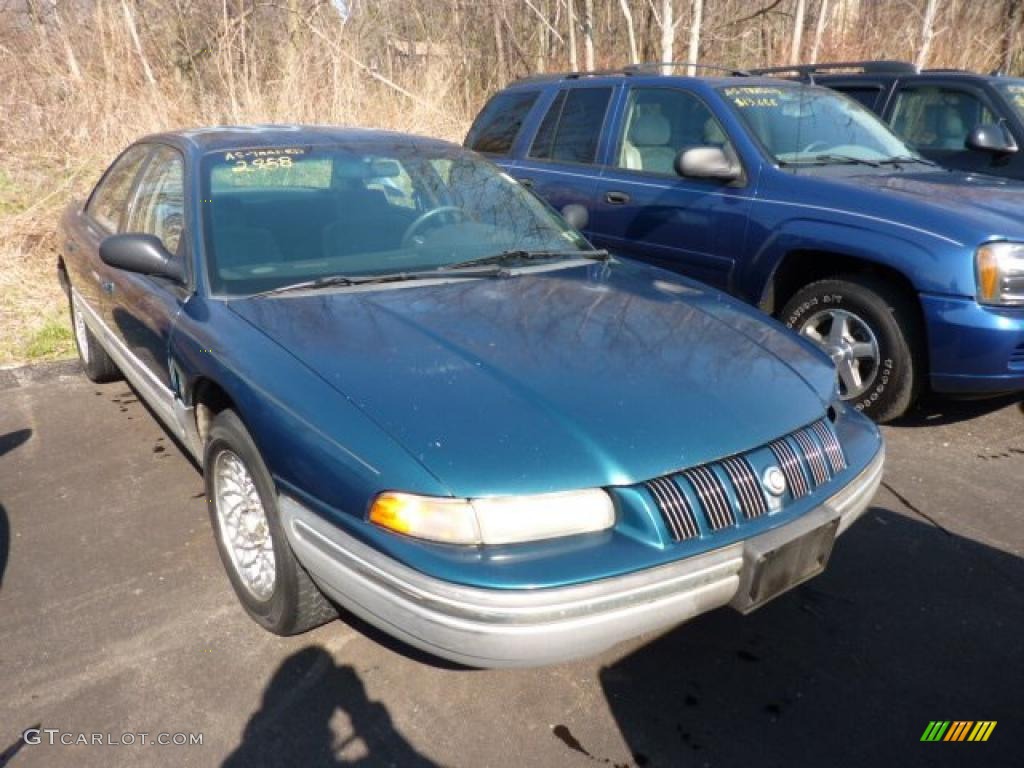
<point>5,542</point>
<point>316,713</point>
<point>909,624</point>
<point>935,410</point>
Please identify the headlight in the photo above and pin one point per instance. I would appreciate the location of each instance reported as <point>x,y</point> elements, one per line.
<point>501,520</point>
<point>1000,273</point>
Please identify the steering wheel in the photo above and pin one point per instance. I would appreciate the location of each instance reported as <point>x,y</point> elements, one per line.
<point>428,217</point>
<point>814,144</point>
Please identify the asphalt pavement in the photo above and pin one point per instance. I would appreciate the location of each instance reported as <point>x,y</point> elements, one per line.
<point>116,619</point>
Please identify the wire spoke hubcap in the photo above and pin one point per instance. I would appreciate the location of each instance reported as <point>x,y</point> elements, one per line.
<point>243,524</point>
<point>851,344</point>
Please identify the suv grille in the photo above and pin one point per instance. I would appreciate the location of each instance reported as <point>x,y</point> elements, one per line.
<point>808,458</point>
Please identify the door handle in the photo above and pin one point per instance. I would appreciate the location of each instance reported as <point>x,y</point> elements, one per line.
<point>107,287</point>
<point>616,198</point>
<point>528,183</point>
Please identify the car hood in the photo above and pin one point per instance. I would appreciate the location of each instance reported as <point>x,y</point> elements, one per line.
<point>992,204</point>
<point>581,376</point>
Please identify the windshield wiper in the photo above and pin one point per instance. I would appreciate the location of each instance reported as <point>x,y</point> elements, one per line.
<point>906,160</point>
<point>524,255</point>
<point>830,159</point>
<point>395,277</point>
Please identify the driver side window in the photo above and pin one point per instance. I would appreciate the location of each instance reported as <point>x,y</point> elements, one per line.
<point>159,207</point>
<point>662,122</point>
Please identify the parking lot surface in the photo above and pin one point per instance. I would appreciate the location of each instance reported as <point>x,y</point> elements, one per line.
<point>116,618</point>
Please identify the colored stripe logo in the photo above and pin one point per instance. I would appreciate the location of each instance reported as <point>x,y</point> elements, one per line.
<point>958,730</point>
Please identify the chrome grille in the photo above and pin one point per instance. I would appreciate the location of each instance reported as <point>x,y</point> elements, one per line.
<point>833,449</point>
<point>675,508</point>
<point>808,458</point>
<point>814,457</point>
<point>790,464</point>
<point>748,489</point>
<point>712,497</point>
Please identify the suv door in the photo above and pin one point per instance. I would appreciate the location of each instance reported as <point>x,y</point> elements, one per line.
<point>935,118</point>
<point>140,309</point>
<point>560,164</point>
<point>645,210</point>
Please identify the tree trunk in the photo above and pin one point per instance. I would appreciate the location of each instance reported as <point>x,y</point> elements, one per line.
<point>499,45</point>
<point>588,34</point>
<point>927,32</point>
<point>798,31</point>
<point>668,34</point>
<point>571,20</point>
<point>1012,18</point>
<point>693,53</point>
<point>819,30</point>
<point>634,56</point>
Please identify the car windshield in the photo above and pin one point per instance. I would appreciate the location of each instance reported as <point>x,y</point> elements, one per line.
<point>1013,92</point>
<point>808,125</point>
<point>276,216</point>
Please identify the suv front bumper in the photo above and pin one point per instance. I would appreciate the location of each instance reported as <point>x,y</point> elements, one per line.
<point>507,628</point>
<point>972,348</point>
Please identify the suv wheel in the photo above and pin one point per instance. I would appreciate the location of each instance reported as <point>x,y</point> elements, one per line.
<point>270,583</point>
<point>871,332</point>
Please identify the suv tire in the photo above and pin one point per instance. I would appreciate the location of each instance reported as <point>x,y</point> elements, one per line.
<point>872,332</point>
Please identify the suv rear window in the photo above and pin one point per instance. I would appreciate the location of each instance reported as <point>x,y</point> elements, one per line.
<point>494,131</point>
<point>572,126</point>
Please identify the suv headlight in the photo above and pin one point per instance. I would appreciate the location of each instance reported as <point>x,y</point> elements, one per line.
<point>999,269</point>
<point>500,520</point>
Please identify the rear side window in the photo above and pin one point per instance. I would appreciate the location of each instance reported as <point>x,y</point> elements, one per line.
<point>572,126</point>
<point>497,126</point>
<point>866,95</point>
<point>110,199</point>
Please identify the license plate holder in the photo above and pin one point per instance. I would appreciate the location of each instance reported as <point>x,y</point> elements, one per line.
<point>782,559</point>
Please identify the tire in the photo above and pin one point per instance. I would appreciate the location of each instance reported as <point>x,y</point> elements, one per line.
<point>877,316</point>
<point>96,363</point>
<point>291,603</point>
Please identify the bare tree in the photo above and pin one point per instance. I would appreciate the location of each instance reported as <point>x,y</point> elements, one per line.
<point>571,21</point>
<point>927,31</point>
<point>1012,17</point>
<point>588,34</point>
<point>668,34</point>
<point>819,30</point>
<point>627,14</point>
<point>693,52</point>
<point>798,31</point>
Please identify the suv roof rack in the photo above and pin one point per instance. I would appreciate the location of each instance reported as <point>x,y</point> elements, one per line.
<point>630,70</point>
<point>867,67</point>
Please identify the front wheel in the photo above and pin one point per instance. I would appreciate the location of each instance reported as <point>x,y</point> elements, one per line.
<point>871,332</point>
<point>270,583</point>
<point>96,363</point>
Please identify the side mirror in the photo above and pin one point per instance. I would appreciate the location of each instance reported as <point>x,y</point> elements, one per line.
<point>989,137</point>
<point>707,163</point>
<point>576,216</point>
<point>140,253</point>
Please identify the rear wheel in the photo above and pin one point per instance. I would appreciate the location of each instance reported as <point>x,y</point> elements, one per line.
<point>96,363</point>
<point>273,587</point>
<point>871,332</point>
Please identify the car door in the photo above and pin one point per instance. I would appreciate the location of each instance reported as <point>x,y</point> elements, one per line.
<point>140,309</point>
<point>935,118</point>
<point>560,163</point>
<point>102,215</point>
<point>644,209</point>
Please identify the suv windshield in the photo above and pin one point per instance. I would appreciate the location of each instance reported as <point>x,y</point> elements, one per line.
<point>275,216</point>
<point>806,125</point>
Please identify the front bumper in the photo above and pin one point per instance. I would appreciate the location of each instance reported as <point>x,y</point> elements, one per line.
<point>508,628</point>
<point>971,348</point>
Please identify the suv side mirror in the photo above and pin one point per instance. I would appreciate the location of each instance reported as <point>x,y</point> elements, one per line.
<point>989,137</point>
<point>145,254</point>
<point>707,163</point>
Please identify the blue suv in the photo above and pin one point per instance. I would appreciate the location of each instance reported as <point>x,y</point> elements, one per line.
<point>792,197</point>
